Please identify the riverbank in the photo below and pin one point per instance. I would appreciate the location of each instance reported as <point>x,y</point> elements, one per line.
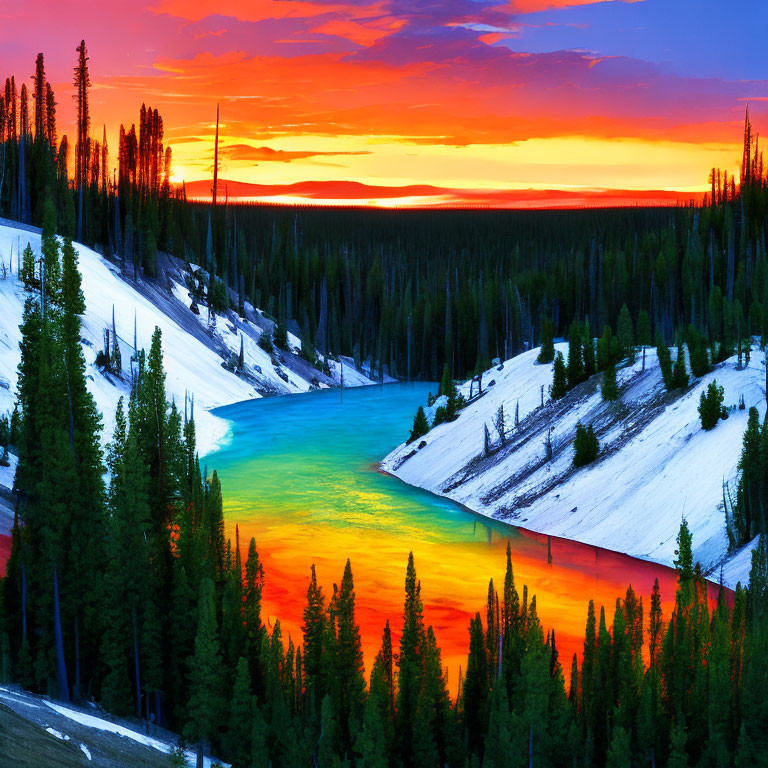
<point>655,466</point>
<point>200,351</point>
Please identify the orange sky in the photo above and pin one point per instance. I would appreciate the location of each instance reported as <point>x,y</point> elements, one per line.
<point>484,101</point>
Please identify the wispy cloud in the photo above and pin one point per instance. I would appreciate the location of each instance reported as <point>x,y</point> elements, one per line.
<point>393,77</point>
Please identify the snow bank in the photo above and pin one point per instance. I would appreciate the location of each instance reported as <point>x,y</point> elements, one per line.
<point>90,721</point>
<point>656,465</point>
<point>193,357</point>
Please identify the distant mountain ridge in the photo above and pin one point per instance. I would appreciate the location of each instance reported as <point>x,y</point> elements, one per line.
<point>415,195</point>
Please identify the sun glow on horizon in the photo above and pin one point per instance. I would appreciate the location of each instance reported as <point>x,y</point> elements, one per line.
<point>387,95</point>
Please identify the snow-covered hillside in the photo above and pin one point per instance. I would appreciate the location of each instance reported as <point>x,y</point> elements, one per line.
<point>656,463</point>
<point>194,349</point>
<point>92,736</point>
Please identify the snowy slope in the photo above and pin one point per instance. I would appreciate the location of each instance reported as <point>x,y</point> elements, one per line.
<point>193,351</point>
<point>656,463</point>
<point>102,739</point>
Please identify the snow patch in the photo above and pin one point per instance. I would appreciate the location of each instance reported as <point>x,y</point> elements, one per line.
<point>57,734</point>
<point>89,721</point>
<point>192,366</point>
<point>17,698</point>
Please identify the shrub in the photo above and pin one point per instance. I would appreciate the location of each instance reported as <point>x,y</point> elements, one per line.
<point>265,342</point>
<point>711,406</point>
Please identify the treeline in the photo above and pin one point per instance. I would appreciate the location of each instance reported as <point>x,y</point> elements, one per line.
<point>119,205</point>
<point>406,291</point>
<point>411,291</point>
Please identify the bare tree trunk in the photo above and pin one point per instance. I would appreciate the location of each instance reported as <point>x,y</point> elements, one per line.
<point>80,215</point>
<point>61,665</point>
<point>76,689</point>
<point>136,661</point>
<point>23,603</point>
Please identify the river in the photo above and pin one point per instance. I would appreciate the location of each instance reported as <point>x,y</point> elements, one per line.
<point>300,474</point>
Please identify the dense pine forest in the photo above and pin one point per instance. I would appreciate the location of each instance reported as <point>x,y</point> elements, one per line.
<point>123,587</point>
<point>406,291</point>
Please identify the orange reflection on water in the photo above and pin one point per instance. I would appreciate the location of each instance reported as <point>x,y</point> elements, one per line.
<point>454,580</point>
<point>297,477</point>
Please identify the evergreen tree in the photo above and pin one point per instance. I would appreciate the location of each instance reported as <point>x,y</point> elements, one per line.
<point>590,361</point>
<point>374,741</point>
<point>27,270</point>
<point>678,757</point>
<point>50,252</point>
<point>559,387</point>
<point>748,516</point>
<point>280,336</point>
<point>315,640</point>
<point>604,347</point>
<point>410,665</point>
<point>619,752</point>
<point>609,387</point>
<point>711,406</point>
<point>254,631</point>
<point>206,707</point>
<point>239,733</point>
<point>498,748</point>
<point>665,363</point>
<point>547,351</point>
<point>697,353</point>
<point>447,387</point>
<point>126,581</point>
<point>626,334</point>
<point>575,370</point>
<point>348,675</point>
<point>420,426</point>
<point>644,328</point>
<point>684,553</point>
<point>679,373</point>
<point>476,687</point>
<point>586,446</point>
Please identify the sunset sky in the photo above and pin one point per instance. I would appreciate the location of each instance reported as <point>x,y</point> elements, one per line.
<point>455,101</point>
